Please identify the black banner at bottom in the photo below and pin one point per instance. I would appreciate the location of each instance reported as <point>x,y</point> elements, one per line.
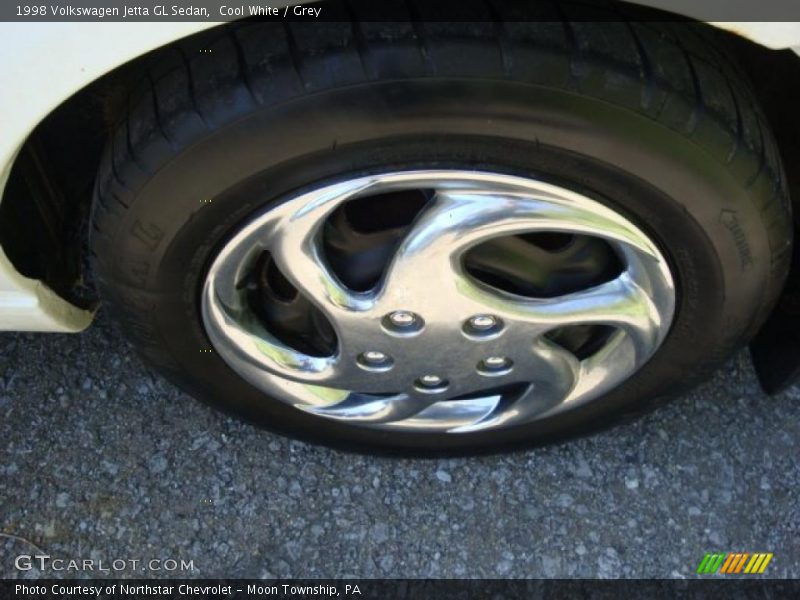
<point>406,589</point>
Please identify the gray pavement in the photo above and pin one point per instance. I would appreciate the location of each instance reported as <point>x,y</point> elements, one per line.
<point>102,460</point>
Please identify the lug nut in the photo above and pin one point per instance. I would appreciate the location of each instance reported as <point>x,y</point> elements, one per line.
<point>402,318</point>
<point>374,357</point>
<point>402,323</point>
<point>431,384</point>
<point>374,361</point>
<point>496,362</point>
<point>482,327</point>
<point>431,380</point>
<point>482,322</point>
<point>495,365</point>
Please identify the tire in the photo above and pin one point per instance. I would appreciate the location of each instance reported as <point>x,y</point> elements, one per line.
<point>654,121</point>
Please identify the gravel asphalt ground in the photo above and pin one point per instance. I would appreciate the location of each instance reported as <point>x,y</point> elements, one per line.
<point>100,459</point>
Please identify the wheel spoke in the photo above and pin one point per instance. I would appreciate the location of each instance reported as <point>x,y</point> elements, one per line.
<point>426,253</point>
<point>449,416</point>
<point>299,258</point>
<point>555,373</point>
<point>363,408</point>
<point>259,351</point>
<point>605,369</point>
<point>620,303</point>
<point>454,220</point>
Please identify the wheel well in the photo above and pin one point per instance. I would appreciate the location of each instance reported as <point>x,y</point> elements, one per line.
<point>45,206</point>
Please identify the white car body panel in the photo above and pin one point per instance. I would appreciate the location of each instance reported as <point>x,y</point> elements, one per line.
<point>48,62</point>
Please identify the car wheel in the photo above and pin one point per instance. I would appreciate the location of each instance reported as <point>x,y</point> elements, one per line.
<point>440,237</point>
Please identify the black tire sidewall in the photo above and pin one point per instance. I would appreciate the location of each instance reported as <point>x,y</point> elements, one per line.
<point>701,217</point>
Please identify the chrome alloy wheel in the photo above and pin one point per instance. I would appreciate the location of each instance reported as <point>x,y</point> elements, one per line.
<point>431,345</point>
